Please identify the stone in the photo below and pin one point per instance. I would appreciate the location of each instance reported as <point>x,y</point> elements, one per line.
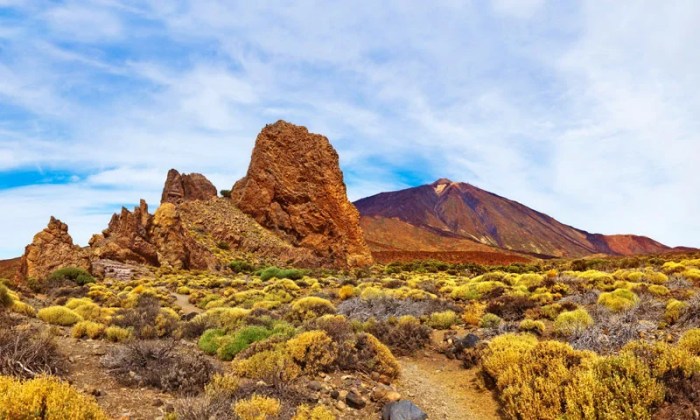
<point>403,410</point>
<point>186,187</point>
<point>295,188</point>
<point>315,386</point>
<point>51,249</point>
<point>354,400</point>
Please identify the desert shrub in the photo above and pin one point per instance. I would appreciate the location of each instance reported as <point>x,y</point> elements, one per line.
<point>223,245</point>
<point>230,346</point>
<point>45,398</point>
<point>282,273</point>
<point>117,334</point>
<point>346,292</point>
<point>504,351</point>
<point>510,308</point>
<point>159,364</point>
<point>530,325</point>
<point>616,388</point>
<point>662,357</point>
<point>533,388</point>
<point>22,308</point>
<point>312,351</point>
<point>320,412</point>
<point>618,300</point>
<point>24,354</point>
<point>572,322</point>
<point>336,326</point>
<point>147,319</point>
<point>404,336</point>
<point>691,274</point>
<point>228,319</point>
<point>257,408</point>
<point>225,193</point>
<point>209,342</point>
<point>373,356</point>
<point>473,313</point>
<point>87,329</point>
<point>241,266</point>
<point>6,300</point>
<point>674,310</point>
<point>310,307</point>
<point>490,321</point>
<point>272,366</point>
<point>442,320</point>
<point>658,290</point>
<point>283,290</point>
<point>690,341</point>
<point>59,315</point>
<point>385,307</point>
<point>88,309</point>
<point>74,274</point>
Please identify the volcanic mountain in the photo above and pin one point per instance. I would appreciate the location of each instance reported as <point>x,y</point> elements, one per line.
<point>454,216</point>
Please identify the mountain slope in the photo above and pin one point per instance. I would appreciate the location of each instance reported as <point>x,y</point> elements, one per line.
<point>451,216</point>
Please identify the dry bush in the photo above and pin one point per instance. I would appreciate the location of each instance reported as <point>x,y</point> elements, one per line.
<point>384,307</point>
<point>404,336</point>
<point>691,316</point>
<point>510,308</point>
<point>24,354</point>
<point>159,364</point>
<point>146,318</point>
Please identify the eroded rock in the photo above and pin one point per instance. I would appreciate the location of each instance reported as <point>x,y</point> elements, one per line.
<point>186,187</point>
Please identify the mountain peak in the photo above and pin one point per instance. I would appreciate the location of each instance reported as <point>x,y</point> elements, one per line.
<point>440,185</point>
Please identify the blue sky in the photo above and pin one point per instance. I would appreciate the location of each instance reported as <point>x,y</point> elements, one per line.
<point>587,111</point>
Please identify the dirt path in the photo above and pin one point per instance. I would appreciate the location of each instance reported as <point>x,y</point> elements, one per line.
<point>184,302</point>
<point>444,389</point>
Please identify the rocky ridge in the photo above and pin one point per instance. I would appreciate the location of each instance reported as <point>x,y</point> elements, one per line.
<point>295,188</point>
<point>186,187</point>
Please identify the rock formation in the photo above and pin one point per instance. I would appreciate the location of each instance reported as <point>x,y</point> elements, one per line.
<point>51,249</point>
<point>186,187</point>
<point>294,186</point>
<point>158,240</point>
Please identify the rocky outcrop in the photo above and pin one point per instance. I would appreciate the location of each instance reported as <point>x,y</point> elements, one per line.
<point>158,240</point>
<point>186,187</point>
<point>51,249</point>
<point>294,187</point>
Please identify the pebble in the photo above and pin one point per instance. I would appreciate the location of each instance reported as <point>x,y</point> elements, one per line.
<point>340,405</point>
<point>355,401</point>
<point>315,386</point>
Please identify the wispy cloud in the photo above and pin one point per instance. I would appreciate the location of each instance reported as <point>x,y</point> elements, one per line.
<point>586,111</point>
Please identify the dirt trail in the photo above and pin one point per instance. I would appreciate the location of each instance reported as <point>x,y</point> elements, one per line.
<point>183,302</point>
<point>444,389</point>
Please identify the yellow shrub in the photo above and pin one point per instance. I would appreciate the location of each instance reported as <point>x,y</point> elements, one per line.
<point>378,356</point>
<point>320,412</point>
<point>268,365</point>
<point>310,307</point>
<point>660,357</point>
<point>534,387</point>
<point>226,318</point>
<point>505,351</point>
<point>257,408</point>
<point>45,398</point>
<point>371,293</point>
<point>312,350</point>
<point>346,292</point>
<point>672,267</point>
<point>183,290</point>
<point>530,325</point>
<point>572,322</point>
<point>117,334</point>
<point>530,280</point>
<point>490,320</point>
<point>89,310</point>
<point>165,321</point>
<point>473,313</point>
<point>615,388</point>
<point>690,341</point>
<point>22,308</point>
<point>658,290</point>
<point>223,386</point>
<point>59,315</point>
<point>692,274</point>
<point>442,320</point>
<point>674,310</point>
<point>87,329</point>
<point>618,300</point>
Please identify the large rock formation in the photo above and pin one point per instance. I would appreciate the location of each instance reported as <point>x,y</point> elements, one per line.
<point>159,240</point>
<point>51,249</point>
<point>294,187</point>
<point>186,187</point>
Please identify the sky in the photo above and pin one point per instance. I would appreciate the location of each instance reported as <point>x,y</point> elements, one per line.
<point>588,111</point>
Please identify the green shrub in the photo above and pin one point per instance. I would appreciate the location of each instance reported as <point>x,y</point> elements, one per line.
<point>209,342</point>
<point>59,315</point>
<point>530,325</point>
<point>225,193</point>
<point>240,266</point>
<point>231,345</point>
<point>490,320</point>
<point>572,322</point>
<point>117,334</point>
<point>281,273</point>
<point>74,274</point>
<point>223,245</point>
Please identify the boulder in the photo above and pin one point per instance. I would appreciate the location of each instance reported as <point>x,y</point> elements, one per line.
<point>51,249</point>
<point>295,188</point>
<point>186,187</point>
<point>403,410</point>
